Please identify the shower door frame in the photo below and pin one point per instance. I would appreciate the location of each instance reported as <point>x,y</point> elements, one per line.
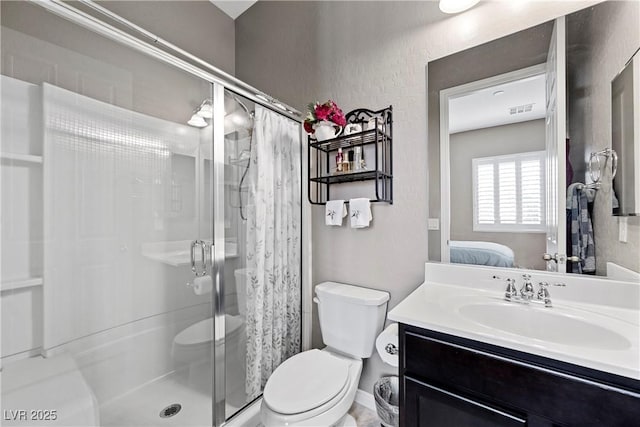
<point>219,81</point>
<point>217,251</point>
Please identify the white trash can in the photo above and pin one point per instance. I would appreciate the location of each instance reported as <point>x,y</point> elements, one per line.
<point>386,392</point>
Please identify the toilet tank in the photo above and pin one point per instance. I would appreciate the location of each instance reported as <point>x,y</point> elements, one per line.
<point>351,317</point>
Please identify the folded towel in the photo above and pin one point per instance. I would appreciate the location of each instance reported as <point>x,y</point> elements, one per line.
<point>335,210</point>
<point>360,213</point>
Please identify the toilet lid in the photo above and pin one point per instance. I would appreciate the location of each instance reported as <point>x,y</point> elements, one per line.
<point>305,381</point>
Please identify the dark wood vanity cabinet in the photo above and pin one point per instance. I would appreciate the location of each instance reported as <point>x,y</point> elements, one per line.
<point>455,382</point>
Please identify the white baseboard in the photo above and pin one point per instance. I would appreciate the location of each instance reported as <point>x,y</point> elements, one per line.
<point>366,399</point>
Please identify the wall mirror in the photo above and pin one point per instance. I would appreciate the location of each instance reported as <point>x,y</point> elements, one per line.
<point>625,137</point>
<point>510,140</point>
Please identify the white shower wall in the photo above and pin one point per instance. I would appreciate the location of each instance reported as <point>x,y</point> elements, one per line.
<point>22,230</point>
<point>112,178</point>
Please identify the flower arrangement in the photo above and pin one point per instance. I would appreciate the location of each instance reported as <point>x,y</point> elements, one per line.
<point>327,112</point>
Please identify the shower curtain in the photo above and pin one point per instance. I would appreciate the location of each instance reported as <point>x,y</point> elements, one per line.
<point>273,247</point>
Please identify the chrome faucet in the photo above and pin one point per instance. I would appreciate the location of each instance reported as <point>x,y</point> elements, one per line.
<point>526,295</point>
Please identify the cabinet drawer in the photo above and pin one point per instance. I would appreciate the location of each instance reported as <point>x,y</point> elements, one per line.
<point>555,396</point>
<point>431,406</point>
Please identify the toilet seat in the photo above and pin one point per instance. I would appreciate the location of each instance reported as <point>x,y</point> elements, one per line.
<point>306,381</point>
<point>202,331</point>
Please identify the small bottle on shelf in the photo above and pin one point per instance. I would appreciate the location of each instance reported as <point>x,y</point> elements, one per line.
<point>339,160</point>
<point>345,164</point>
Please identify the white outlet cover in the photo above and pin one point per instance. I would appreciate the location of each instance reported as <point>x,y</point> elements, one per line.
<point>622,229</point>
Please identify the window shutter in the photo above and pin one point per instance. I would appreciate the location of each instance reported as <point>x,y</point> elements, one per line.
<point>508,192</point>
<point>485,194</point>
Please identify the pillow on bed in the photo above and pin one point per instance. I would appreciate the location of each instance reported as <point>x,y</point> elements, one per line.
<point>481,253</point>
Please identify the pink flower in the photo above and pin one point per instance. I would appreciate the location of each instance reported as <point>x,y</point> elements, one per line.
<point>328,111</point>
<point>308,127</point>
<point>338,118</point>
<point>323,111</point>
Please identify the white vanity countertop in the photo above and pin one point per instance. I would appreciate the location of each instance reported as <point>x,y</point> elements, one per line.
<point>585,333</point>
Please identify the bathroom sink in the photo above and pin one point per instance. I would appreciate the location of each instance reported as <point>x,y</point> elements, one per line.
<point>545,324</point>
<point>593,322</point>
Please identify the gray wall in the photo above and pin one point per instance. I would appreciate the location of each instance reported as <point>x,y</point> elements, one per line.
<point>372,54</point>
<point>602,39</point>
<point>199,27</point>
<point>494,141</point>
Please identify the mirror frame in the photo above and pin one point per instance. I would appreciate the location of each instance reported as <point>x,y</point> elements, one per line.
<point>619,144</point>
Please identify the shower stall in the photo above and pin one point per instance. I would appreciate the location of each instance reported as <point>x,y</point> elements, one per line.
<point>151,227</point>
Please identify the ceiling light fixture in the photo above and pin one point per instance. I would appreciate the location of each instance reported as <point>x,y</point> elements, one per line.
<point>206,109</point>
<point>456,6</point>
<point>197,121</point>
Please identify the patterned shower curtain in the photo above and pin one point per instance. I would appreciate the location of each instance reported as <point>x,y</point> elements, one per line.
<point>273,247</point>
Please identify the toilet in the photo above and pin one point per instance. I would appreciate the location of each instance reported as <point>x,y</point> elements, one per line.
<point>192,347</point>
<point>317,387</point>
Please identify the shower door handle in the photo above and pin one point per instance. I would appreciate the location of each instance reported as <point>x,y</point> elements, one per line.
<point>203,257</point>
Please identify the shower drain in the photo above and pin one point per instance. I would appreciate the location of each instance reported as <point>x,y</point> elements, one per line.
<point>170,410</point>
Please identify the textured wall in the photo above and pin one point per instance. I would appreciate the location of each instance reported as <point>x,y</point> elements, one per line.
<point>198,27</point>
<point>494,141</point>
<point>602,40</point>
<point>372,54</point>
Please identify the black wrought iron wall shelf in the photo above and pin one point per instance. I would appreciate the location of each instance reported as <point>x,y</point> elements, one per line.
<point>375,141</point>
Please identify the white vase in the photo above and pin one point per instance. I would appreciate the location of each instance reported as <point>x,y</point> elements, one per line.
<point>326,130</point>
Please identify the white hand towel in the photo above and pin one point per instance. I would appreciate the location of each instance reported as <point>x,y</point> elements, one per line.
<point>335,210</point>
<point>360,213</point>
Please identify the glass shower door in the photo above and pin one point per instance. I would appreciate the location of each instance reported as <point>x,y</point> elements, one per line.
<point>106,182</point>
<point>238,131</point>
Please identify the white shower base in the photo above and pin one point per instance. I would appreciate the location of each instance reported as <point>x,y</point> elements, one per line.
<point>142,406</point>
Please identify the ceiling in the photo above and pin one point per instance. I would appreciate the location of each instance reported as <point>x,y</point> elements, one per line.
<point>233,8</point>
<point>488,107</point>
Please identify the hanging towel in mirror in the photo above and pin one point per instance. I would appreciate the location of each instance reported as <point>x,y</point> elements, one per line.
<point>582,243</point>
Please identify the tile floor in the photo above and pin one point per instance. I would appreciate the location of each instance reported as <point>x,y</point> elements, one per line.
<point>364,416</point>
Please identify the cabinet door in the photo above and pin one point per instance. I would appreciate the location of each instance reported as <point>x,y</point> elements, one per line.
<point>429,406</point>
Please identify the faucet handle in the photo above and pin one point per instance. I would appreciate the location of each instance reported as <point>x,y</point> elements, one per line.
<point>526,291</point>
<point>511,290</point>
<point>543,294</point>
<point>543,289</point>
